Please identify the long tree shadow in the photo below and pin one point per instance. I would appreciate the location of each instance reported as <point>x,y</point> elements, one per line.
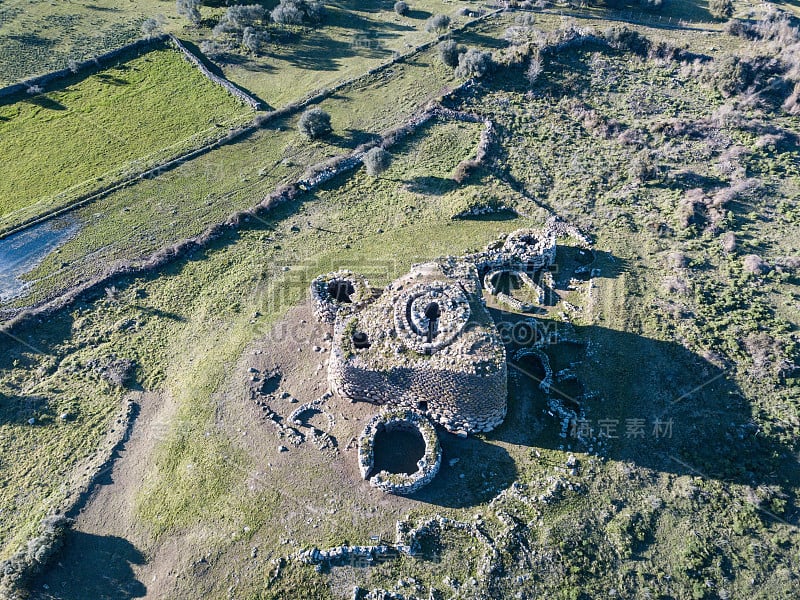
<point>92,566</point>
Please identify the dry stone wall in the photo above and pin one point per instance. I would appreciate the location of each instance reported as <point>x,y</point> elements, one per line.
<point>451,368</point>
<point>427,466</point>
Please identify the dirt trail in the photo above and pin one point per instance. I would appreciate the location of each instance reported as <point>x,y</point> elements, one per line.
<point>108,554</point>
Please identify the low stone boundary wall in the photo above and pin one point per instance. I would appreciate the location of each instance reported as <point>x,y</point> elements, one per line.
<point>220,81</point>
<point>97,61</point>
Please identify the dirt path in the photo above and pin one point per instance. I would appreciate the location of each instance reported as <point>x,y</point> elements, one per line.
<point>108,554</point>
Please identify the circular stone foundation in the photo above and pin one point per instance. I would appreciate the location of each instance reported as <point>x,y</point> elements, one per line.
<point>428,317</point>
<point>337,291</point>
<point>399,452</point>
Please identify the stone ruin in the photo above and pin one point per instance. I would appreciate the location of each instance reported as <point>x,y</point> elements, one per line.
<point>426,345</point>
<point>427,466</point>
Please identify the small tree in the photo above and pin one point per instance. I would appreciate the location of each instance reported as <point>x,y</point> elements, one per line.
<point>298,12</point>
<point>151,28</point>
<point>720,9</point>
<point>449,52</point>
<point>254,40</point>
<point>474,63</point>
<point>189,9</point>
<point>401,8</point>
<point>535,69</point>
<point>437,23</point>
<point>239,17</point>
<point>376,161</point>
<point>314,123</point>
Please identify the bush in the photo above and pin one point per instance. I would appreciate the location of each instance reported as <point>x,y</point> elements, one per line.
<point>474,63</point>
<point>377,161</point>
<point>238,18</point>
<point>525,20</point>
<point>150,28</point>
<point>720,9</point>
<point>254,40</point>
<point>627,40</point>
<point>189,9</point>
<point>16,571</point>
<point>534,69</point>
<point>752,263</point>
<point>298,12</point>
<point>729,242</point>
<point>314,123</point>
<point>401,8</point>
<point>464,170</point>
<point>449,52</point>
<point>437,23</point>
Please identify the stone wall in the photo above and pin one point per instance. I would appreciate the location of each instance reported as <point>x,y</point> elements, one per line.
<point>220,81</point>
<point>459,379</point>
<point>427,466</point>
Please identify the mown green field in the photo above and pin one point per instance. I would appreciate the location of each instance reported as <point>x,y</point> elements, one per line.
<point>91,131</point>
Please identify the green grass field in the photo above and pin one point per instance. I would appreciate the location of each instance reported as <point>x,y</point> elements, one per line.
<point>40,36</point>
<point>91,131</point>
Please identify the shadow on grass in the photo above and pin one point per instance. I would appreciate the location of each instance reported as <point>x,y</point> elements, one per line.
<point>45,102</point>
<point>93,566</point>
<point>418,14</point>
<point>431,185</point>
<point>351,139</point>
<point>706,426</point>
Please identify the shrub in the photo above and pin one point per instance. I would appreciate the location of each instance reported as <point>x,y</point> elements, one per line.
<point>150,28</point>
<point>792,103</point>
<point>253,39</point>
<point>464,169</point>
<point>377,161</point>
<point>401,8</point>
<point>732,76</point>
<point>474,63</point>
<point>238,18</point>
<point>525,20</point>
<point>535,69</point>
<point>729,242</point>
<point>768,354</point>
<point>449,52</point>
<point>627,40</point>
<point>692,208</point>
<point>298,12</point>
<point>720,9</point>
<point>314,123</point>
<point>677,260</point>
<point>16,571</point>
<point>189,9</point>
<point>437,23</point>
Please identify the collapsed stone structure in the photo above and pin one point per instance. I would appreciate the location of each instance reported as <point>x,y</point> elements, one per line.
<point>427,466</point>
<point>427,343</point>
